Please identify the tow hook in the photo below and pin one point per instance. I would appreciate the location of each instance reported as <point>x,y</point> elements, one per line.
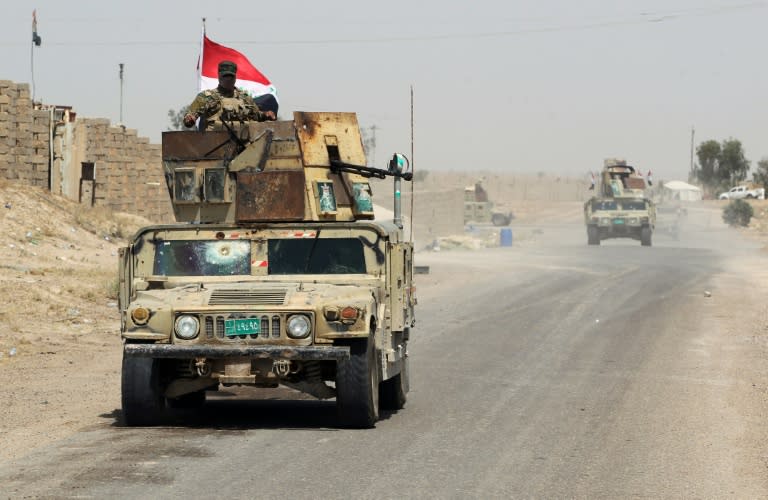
<point>203,367</point>
<point>281,367</point>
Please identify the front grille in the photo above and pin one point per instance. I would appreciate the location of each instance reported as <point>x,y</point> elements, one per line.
<point>270,326</point>
<point>272,297</point>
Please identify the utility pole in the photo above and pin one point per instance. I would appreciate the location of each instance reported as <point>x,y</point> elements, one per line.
<point>690,174</point>
<point>121,93</point>
<point>373,144</point>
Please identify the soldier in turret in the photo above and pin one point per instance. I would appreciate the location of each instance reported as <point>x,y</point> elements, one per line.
<point>224,103</point>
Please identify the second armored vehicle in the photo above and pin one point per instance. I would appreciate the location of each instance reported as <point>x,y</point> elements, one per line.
<point>478,208</point>
<point>620,208</point>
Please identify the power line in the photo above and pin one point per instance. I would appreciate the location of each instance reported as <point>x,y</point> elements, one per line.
<point>644,18</point>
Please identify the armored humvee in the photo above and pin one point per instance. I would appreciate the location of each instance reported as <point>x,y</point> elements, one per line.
<point>478,208</point>
<point>276,273</point>
<point>620,208</point>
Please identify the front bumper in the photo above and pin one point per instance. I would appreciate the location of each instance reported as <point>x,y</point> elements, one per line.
<point>313,353</point>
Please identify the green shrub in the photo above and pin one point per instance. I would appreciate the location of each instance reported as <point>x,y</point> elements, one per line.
<point>738,213</point>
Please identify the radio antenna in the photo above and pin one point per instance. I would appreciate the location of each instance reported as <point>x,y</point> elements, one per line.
<point>412,169</point>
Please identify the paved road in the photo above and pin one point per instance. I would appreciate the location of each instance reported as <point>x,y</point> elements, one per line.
<point>549,369</point>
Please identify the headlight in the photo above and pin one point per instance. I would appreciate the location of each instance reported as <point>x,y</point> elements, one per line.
<point>187,327</point>
<point>632,220</point>
<point>605,221</point>
<point>298,326</point>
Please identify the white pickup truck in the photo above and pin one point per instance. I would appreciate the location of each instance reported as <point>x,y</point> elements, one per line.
<point>739,192</point>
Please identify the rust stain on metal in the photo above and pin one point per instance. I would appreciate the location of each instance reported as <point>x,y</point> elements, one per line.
<point>197,146</point>
<point>270,196</point>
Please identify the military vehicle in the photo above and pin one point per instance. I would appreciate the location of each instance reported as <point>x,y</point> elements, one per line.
<point>276,273</point>
<point>620,208</point>
<point>478,208</point>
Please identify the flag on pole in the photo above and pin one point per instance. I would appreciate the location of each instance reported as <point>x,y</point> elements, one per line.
<point>249,79</point>
<point>592,185</point>
<point>35,37</point>
<point>650,181</point>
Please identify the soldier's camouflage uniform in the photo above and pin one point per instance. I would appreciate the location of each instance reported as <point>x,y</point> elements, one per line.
<point>214,106</point>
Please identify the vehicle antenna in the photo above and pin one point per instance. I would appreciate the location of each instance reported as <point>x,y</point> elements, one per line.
<point>410,237</point>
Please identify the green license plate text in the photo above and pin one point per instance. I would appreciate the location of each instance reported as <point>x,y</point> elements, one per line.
<point>246,326</point>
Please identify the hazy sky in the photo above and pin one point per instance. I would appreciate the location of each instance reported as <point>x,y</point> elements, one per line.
<point>519,86</point>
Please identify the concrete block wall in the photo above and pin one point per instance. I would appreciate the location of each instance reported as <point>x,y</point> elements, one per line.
<point>128,169</point>
<point>24,136</point>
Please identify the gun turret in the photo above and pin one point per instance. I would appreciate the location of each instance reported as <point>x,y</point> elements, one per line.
<point>619,180</point>
<point>311,168</point>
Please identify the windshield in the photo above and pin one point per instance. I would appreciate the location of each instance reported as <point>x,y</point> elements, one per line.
<point>614,205</point>
<point>603,205</point>
<point>316,256</point>
<point>202,258</point>
<point>633,205</point>
<point>235,257</point>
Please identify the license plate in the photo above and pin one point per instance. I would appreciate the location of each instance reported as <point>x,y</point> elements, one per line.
<point>618,221</point>
<point>246,326</point>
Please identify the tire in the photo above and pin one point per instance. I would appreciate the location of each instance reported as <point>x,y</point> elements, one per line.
<point>357,386</point>
<point>393,392</point>
<point>499,220</point>
<point>645,236</point>
<point>593,235</point>
<point>142,394</point>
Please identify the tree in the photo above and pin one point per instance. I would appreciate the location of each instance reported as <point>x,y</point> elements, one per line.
<point>733,165</point>
<point>721,165</point>
<point>761,176</point>
<point>706,171</point>
<point>176,118</point>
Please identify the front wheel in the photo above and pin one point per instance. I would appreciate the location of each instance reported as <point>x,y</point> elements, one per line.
<point>357,385</point>
<point>593,235</point>
<point>645,236</point>
<point>394,391</point>
<point>142,393</point>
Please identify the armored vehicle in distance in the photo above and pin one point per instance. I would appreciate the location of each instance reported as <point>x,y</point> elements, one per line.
<point>277,273</point>
<point>478,208</point>
<point>620,208</point>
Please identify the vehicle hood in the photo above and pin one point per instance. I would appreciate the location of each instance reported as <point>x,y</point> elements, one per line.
<point>274,294</point>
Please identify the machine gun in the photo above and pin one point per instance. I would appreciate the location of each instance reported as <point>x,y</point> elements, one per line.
<point>397,165</point>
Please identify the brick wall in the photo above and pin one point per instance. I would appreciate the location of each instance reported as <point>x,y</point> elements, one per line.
<point>24,134</point>
<point>128,169</point>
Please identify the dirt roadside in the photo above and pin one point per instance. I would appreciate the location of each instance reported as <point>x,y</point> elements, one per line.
<point>59,324</point>
<point>59,317</point>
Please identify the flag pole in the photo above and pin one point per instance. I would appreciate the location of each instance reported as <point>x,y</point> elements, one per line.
<point>200,60</point>
<point>32,69</point>
<point>32,54</point>
<point>121,93</point>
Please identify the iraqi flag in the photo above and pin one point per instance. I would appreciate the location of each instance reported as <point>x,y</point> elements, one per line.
<point>249,79</point>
